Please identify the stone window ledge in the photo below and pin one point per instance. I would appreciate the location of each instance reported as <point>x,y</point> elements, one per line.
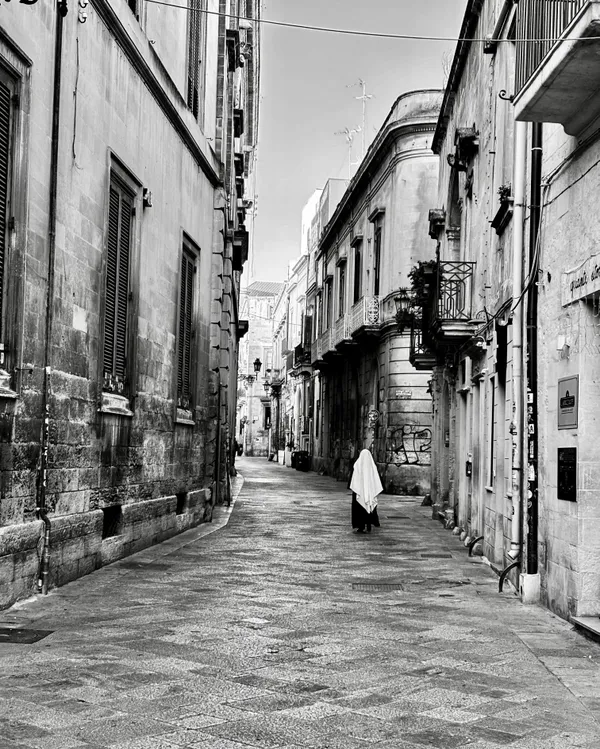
<point>184,416</point>
<point>5,390</point>
<point>115,404</point>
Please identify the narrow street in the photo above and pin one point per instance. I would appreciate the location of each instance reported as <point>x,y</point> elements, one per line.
<point>278,627</point>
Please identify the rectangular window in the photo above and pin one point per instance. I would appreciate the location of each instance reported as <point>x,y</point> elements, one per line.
<point>357,274</point>
<point>267,418</point>
<point>492,434</point>
<point>134,6</point>
<point>195,28</point>
<point>185,333</point>
<point>328,302</point>
<point>7,91</point>
<point>377,261</point>
<point>116,311</point>
<point>341,290</point>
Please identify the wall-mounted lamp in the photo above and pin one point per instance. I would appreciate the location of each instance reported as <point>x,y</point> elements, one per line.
<point>257,365</point>
<point>404,309</point>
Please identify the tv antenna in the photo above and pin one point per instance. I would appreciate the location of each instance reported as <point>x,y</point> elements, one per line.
<point>349,134</point>
<point>364,97</point>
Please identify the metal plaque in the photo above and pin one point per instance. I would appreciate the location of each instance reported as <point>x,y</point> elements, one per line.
<point>567,474</point>
<point>568,402</point>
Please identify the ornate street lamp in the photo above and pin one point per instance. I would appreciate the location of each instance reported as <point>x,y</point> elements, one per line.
<point>404,309</point>
<point>257,365</point>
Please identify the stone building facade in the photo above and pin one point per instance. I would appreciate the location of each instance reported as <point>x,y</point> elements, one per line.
<point>254,409</point>
<point>127,134</point>
<point>364,392</point>
<point>510,301</point>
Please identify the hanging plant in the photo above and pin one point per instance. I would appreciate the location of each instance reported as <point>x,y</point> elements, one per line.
<point>422,276</point>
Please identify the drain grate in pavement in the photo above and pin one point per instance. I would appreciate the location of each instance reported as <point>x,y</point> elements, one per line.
<point>435,556</point>
<point>22,636</point>
<point>398,517</point>
<point>377,587</point>
<point>151,566</point>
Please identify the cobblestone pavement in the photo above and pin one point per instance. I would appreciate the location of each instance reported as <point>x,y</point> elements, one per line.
<point>282,629</point>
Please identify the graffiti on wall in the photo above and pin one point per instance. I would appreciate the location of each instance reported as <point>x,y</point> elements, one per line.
<point>411,445</point>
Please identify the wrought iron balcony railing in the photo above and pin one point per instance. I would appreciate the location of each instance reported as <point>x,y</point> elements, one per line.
<point>420,355</point>
<point>453,291</point>
<point>301,356</point>
<point>342,330</point>
<point>366,312</point>
<point>540,24</point>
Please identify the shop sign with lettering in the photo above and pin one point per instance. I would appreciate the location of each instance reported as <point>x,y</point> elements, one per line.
<point>581,282</point>
<point>568,402</point>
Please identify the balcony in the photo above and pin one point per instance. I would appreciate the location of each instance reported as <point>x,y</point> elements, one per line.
<point>302,360</point>
<point>342,332</point>
<point>451,314</point>
<point>365,316</point>
<point>420,355</point>
<point>557,77</point>
<point>317,351</point>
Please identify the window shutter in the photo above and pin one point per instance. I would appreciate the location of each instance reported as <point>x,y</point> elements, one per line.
<point>118,250</point>
<point>112,260</point>
<point>5,96</point>
<point>123,288</point>
<point>185,331</point>
<point>194,36</point>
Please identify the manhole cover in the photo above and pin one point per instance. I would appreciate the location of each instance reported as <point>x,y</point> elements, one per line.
<point>23,636</point>
<point>436,556</point>
<point>376,587</point>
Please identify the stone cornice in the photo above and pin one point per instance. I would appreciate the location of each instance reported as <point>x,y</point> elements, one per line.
<point>210,166</point>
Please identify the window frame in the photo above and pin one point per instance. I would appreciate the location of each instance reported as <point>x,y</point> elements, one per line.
<point>113,401</point>
<point>341,289</point>
<point>195,53</point>
<point>357,270</point>
<point>184,411</point>
<point>377,247</point>
<point>15,71</point>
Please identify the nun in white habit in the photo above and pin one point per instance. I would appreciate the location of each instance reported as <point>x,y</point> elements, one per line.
<point>365,486</point>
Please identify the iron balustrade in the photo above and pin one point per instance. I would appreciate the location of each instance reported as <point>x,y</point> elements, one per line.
<point>417,347</point>
<point>453,291</point>
<point>540,25</point>
<point>342,329</point>
<point>367,311</point>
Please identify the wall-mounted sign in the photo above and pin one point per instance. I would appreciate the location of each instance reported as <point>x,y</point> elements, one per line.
<point>568,402</point>
<point>404,395</point>
<point>567,474</point>
<point>581,282</point>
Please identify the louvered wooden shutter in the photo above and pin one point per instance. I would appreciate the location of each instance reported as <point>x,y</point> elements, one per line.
<point>185,331</point>
<point>117,287</point>
<point>194,37</point>
<point>5,97</point>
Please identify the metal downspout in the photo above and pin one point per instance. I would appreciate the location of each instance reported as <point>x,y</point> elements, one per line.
<point>532,378</point>
<point>516,427</point>
<point>42,468</point>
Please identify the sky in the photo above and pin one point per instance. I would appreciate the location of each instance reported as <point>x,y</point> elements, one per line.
<point>307,97</point>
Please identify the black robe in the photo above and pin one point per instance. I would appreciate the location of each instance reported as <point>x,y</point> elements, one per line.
<point>361,518</point>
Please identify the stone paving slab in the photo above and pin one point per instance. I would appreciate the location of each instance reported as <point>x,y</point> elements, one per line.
<point>277,627</point>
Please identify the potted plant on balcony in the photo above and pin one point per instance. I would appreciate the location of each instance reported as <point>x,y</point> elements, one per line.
<point>422,278</point>
<point>505,212</point>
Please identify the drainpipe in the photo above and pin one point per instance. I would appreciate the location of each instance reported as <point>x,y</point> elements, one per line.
<point>532,380</point>
<point>516,427</point>
<point>42,468</point>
